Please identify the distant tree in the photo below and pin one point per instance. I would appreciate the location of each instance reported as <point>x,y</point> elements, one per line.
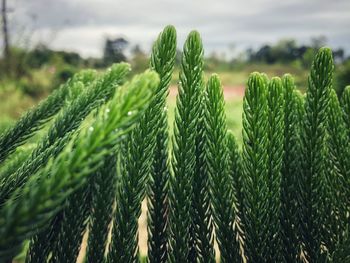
<point>42,55</point>
<point>264,54</point>
<point>284,51</point>
<point>39,56</point>
<point>338,55</point>
<point>287,51</point>
<point>114,50</point>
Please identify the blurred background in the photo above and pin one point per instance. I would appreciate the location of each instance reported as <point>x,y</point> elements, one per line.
<point>44,42</point>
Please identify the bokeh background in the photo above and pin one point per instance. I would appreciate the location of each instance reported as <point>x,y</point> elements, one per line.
<point>44,42</point>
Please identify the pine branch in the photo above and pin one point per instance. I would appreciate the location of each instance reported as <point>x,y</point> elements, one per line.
<point>342,252</point>
<point>235,161</point>
<point>162,61</point>
<point>235,173</point>
<point>311,190</point>
<point>217,161</point>
<point>11,165</point>
<point>138,160</point>
<point>34,119</point>
<point>202,226</point>
<point>72,226</point>
<point>345,103</point>
<point>275,99</point>
<point>338,173</point>
<point>124,243</point>
<point>255,168</point>
<point>64,126</point>
<point>41,244</point>
<point>290,171</point>
<point>103,193</point>
<point>137,163</point>
<point>183,153</point>
<point>9,180</point>
<point>42,197</point>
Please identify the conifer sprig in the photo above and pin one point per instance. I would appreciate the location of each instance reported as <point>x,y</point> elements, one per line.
<point>41,244</point>
<point>64,126</point>
<point>217,160</point>
<point>183,154</point>
<point>42,197</point>
<point>290,172</point>
<point>71,225</point>
<point>138,160</point>
<point>345,103</point>
<point>162,61</point>
<point>34,119</point>
<point>311,192</point>
<point>275,151</point>
<point>103,193</point>
<point>235,173</point>
<point>202,243</point>
<point>11,165</point>
<point>339,172</point>
<point>255,168</point>
<point>124,243</point>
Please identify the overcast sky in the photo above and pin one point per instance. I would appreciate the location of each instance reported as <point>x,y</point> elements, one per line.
<point>82,25</point>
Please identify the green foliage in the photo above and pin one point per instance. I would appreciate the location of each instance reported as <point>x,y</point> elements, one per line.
<point>184,149</point>
<point>162,61</point>
<point>217,161</point>
<point>345,103</point>
<point>338,174</point>
<point>64,126</point>
<point>70,225</point>
<point>42,196</point>
<point>235,172</point>
<point>35,118</point>
<point>314,133</point>
<point>138,160</point>
<point>201,243</point>
<point>275,151</point>
<point>283,198</point>
<point>103,188</point>
<point>290,171</point>
<point>255,169</point>
<point>11,165</point>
